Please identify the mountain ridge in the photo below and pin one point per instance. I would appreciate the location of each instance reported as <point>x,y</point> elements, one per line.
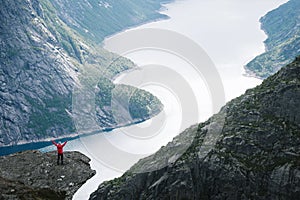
<point>282,27</point>
<point>256,154</point>
<point>122,15</point>
<point>44,63</point>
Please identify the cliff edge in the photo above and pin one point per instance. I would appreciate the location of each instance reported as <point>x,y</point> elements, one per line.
<point>35,175</point>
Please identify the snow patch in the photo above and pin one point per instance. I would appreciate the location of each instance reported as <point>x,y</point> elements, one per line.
<point>104,4</point>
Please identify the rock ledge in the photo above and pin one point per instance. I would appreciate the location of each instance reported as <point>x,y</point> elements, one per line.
<point>35,175</point>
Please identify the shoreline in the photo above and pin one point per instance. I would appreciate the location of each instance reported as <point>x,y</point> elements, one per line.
<point>24,145</point>
<point>251,74</point>
<point>160,11</point>
<point>166,17</point>
<point>39,144</point>
<point>83,191</point>
<point>76,136</point>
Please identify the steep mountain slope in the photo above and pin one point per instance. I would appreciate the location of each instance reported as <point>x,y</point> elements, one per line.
<point>43,62</point>
<point>254,152</point>
<point>282,27</point>
<point>34,73</point>
<point>89,17</point>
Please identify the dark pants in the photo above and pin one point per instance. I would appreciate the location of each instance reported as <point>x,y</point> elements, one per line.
<point>61,157</point>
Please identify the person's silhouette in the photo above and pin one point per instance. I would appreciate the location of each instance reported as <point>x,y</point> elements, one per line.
<point>60,152</point>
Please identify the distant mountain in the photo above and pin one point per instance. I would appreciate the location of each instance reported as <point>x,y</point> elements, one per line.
<point>96,19</point>
<point>45,60</point>
<point>252,151</point>
<point>282,27</point>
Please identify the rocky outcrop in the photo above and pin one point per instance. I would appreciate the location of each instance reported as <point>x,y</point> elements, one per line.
<point>249,150</point>
<point>282,27</point>
<point>35,175</point>
<point>42,62</point>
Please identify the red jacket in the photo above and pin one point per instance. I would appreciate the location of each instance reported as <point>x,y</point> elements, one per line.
<point>59,146</point>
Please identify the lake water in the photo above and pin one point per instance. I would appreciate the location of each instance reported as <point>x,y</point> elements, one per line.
<point>228,31</point>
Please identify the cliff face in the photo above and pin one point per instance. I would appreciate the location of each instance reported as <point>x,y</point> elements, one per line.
<point>282,27</point>
<point>249,150</point>
<point>34,74</point>
<point>35,175</point>
<point>42,62</point>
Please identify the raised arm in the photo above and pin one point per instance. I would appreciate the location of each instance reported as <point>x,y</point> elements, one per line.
<point>54,142</point>
<point>64,143</point>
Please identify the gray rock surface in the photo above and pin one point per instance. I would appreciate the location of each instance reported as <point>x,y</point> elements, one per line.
<point>121,15</point>
<point>42,62</point>
<point>282,26</point>
<point>256,155</point>
<point>35,175</point>
<point>34,75</point>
